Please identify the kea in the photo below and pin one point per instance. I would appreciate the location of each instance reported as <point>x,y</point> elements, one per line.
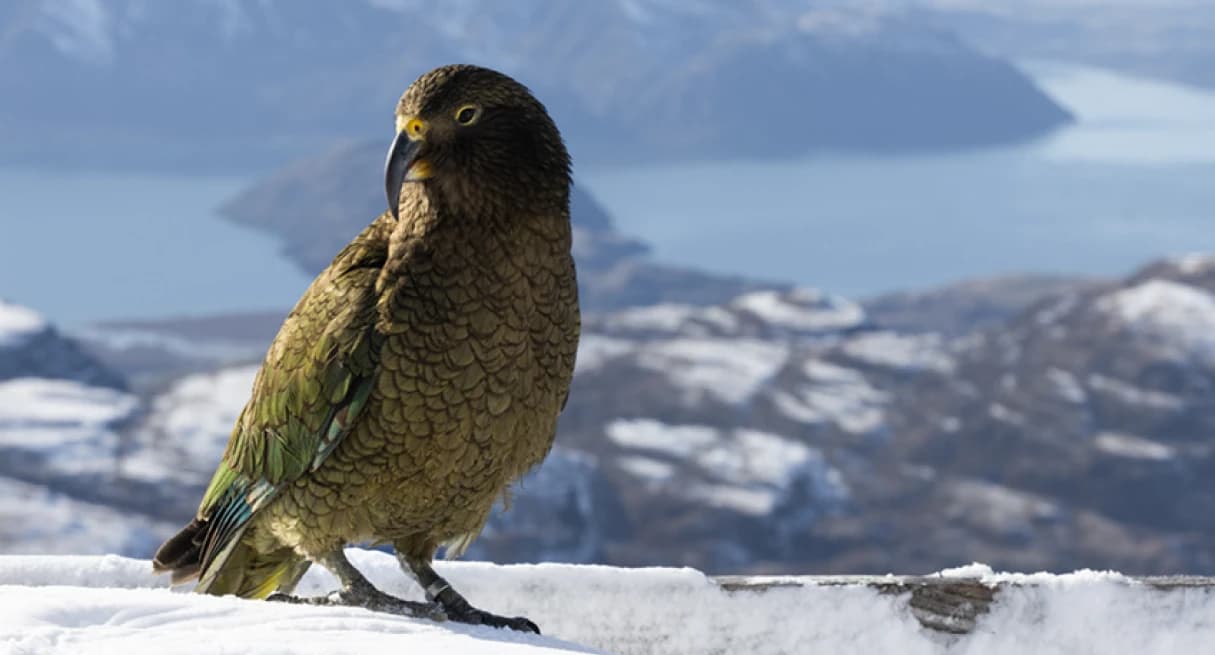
<point>420,374</point>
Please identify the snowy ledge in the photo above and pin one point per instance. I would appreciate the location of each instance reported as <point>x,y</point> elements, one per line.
<point>85,604</point>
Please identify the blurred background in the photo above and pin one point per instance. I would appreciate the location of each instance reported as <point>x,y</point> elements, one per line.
<point>873,286</point>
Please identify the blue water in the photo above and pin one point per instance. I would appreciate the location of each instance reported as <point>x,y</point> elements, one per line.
<point>1133,180</point>
<point>82,247</point>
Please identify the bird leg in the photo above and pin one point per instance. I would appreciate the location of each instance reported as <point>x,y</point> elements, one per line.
<point>357,591</point>
<point>454,605</point>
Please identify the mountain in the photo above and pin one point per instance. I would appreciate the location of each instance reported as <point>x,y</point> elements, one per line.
<point>211,84</point>
<point>61,417</point>
<point>32,347</point>
<point>317,205</point>
<point>1172,39</point>
<point>788,430</point>
<point>967,306</point>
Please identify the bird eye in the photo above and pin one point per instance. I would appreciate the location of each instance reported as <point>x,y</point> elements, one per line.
<point>467,114</point>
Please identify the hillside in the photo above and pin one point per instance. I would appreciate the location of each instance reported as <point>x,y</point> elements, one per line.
<point>793,431</point>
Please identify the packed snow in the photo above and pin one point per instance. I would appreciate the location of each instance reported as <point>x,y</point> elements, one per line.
<point>18,323</point>
<point>83,605</point>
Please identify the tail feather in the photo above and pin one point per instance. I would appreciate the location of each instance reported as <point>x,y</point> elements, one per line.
<point>182,553</point>
<point>238,569</point>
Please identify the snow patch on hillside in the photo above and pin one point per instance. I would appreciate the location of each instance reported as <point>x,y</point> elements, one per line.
<point>1175,313</point>
<point>744,470</point>
<point>35,519</point>
<point>803,310</point>
<point>69,422</point>
<point>18,323</point>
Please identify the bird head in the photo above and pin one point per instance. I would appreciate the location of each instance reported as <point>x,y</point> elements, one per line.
<point>472,135</point>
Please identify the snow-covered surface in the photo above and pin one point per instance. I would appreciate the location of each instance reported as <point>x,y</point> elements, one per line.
<point>1179,314</point>
<point>18,323</point>
<point>109,604</point>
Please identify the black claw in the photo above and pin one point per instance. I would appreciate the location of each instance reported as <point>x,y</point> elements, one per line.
<point>474,616</point>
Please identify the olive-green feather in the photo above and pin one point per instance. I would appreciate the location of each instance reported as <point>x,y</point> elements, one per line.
<point>316,379</point>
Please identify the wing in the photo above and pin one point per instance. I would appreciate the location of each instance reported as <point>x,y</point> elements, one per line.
<point>315,380</point>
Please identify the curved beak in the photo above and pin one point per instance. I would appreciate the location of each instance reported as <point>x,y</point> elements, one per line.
<point>401,157</point>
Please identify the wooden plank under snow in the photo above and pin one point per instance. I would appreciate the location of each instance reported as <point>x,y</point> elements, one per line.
<point>947,604</point>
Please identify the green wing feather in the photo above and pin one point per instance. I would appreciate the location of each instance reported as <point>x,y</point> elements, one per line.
<point>315,380</point>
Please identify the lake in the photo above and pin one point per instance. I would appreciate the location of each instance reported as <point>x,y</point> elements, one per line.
<point>84,246</point>
<point>1132,180</point>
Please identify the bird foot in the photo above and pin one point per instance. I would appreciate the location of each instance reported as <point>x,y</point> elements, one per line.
<point>371,599</point>
<point>474,616</point>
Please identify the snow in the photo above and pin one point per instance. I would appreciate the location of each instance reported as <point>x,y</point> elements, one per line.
<point>64,418</point>
<point>196,413</point>
<point>650,434</point>
<point>109,604</point>
<point>730,369</point>
<point>1133,395</point>
<point>1194,263</point>
<point>743,470</point>
<point>18,323</point>
<point>1067,385</point>
<point>802,310</point>
<point>997,509</point>
<point>34,519</point>
<point>1176,314</point>
<point>834,394</point>
<point>920,352</point>
<point>594,351</point>
<point>646,468</point>
<point>1131,446</point>
<point>666,317</point>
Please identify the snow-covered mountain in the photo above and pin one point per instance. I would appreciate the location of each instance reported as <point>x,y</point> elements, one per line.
<point>204,82</point>
<point>32,347</point>
<point>790,430</point>
<point>61,418</point>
